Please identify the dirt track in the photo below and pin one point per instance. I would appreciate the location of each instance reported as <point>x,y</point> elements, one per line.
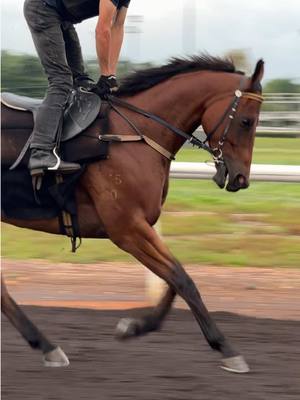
<point>175,363</point>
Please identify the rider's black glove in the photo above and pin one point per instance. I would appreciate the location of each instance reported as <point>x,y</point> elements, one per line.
<point>106,85</point>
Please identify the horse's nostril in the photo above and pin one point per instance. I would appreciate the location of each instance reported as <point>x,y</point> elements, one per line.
<point>242,181</point>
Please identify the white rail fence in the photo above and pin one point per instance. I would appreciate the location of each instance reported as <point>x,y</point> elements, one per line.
<point>259,172</point>
<point>279,116</point>
<point>188,170</point>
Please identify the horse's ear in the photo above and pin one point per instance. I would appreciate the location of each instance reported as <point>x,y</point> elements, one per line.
<point>258,73</point>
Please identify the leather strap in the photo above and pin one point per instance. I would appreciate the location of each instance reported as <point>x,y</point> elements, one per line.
<point>246,95</point>
<point>22,154</point>
<point>67,220</point>
<point>120,138</point>
<point>137,138</point>
<point>253,96</point>
<point>192,139</point>
<point>159,148</point>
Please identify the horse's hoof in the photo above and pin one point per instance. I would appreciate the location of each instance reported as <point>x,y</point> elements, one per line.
<point>56,358</point>
<point>235,364</point>
<point>126,328</point>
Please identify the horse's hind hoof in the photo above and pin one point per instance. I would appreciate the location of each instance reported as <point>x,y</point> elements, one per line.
<point>56,358</point>
<point>126,328</point>
<point>235,364</point>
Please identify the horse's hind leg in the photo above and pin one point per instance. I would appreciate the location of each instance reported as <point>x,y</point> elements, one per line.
<point>144,243</point>
<point>131,327</point>
<point>53,355</point>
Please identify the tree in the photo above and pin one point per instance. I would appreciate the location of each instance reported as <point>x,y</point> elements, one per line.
<point>22,74</point>
<point>281,86</point>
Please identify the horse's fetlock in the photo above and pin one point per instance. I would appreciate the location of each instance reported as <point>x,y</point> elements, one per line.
<point>151,323</point>
<point>216,340</point>
<point>34,344</point>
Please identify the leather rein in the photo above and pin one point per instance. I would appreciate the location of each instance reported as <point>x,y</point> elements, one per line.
<point>216,152</point>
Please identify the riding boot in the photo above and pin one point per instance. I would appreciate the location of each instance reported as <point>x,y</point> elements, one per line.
<point>46,137</point>
<point>42,160</point>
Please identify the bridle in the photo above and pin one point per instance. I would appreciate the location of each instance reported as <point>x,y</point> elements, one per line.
<point>229,113</point>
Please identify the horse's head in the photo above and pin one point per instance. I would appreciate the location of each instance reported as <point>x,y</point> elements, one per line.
<point>230,121</point>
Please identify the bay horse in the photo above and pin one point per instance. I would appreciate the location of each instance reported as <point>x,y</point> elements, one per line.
<point>121,198</point>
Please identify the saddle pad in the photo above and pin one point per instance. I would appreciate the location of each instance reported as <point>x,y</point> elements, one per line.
<point>18,200</point>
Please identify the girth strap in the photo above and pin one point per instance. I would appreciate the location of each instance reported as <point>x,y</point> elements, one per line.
<point>68,224</point>
<point>138,138</point>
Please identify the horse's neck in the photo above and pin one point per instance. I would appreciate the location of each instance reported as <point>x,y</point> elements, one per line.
<point>181,101</point>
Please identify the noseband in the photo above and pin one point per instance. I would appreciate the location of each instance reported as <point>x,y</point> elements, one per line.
<point>229,113</point>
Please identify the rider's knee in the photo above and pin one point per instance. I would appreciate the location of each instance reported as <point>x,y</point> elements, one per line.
<point>60,88</point>
<point>63,82</point>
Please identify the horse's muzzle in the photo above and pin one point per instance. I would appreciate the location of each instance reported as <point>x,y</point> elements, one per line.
<point>239,182</point>
<point>221,175</point>
<point>235,180</point>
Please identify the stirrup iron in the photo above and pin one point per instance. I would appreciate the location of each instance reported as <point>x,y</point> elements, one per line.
<point>56,166</point>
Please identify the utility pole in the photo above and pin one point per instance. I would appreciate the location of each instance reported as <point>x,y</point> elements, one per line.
<point>189,22</point>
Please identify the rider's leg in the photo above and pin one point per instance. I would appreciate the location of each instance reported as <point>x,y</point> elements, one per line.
<point>74,56</point>
<point>45,26</point>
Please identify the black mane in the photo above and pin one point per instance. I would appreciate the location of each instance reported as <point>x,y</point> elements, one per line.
<point>145,79</point>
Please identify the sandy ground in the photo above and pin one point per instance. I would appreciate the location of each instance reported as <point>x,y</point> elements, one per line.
<point>78,307</point>
<point>269,293</point>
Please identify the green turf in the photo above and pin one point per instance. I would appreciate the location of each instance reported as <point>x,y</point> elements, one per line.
<point>266,151</point>
<point>201,223</point>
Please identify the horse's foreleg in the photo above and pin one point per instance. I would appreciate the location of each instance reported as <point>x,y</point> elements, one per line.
<point>131,327</point>
<point>53,355</point>
<point>144,244</point>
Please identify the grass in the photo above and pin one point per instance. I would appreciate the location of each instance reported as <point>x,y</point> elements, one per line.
<point>266,151</point>
<point>201,223</point>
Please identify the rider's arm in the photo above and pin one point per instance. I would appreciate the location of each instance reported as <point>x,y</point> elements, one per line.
<point>117,35</point>
<point>107,12</point>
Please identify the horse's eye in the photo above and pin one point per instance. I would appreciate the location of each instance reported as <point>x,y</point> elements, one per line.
<point>247,122</point>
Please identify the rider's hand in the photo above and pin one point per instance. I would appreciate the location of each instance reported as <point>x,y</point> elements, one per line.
<point>113,83</point>
<point>106,85</point>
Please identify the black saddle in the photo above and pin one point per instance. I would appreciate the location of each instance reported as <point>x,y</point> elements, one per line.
<point>85,118</point>
<point>82,109</point>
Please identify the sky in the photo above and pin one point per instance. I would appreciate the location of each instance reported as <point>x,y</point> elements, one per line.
<point>268,29</point>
